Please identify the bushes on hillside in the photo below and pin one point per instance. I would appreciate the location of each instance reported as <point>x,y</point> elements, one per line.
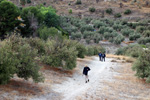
<point>118,15</point>
<point>19,58</point>
<point>87,28</point>
<point>131,50</point>
<point>60,53</point>
<point>118,39</point>
<point>134,36</point>
<point>109,11</point>
<point>92,9</point>
<point>127,11</point>
<point>142,66</point>
<point>45,33</point>
<point>78,2</point>
<point>144,40</point>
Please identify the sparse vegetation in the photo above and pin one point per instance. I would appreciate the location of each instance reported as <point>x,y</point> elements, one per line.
<point>109,11</point>
<point>92,9</point>
<point>127,11</point>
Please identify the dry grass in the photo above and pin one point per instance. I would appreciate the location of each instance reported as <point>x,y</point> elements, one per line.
<point>22,87</point>
<point>126,85</point>
<point>120,57</point>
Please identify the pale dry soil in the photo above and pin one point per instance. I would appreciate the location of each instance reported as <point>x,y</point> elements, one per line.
<point>109,80</point>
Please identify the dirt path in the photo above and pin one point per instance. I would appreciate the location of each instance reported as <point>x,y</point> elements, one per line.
<point>109,80</point>
<point>75,87</point>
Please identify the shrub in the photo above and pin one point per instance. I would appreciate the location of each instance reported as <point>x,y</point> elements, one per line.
<point>118,39</point>
<point>81,50</point>
<point>107,35</point>
<point>94,50</point>
<point>78,2</point>
<point>118,15</point>
<point>146,33</point>
<point>144,40</point>
<point>98,24</point>
<point>92,9</point>
<point>37,44</point>
<point>70,11</point>
<point>109,11</point>
<point>142,66</point>
<point>45,33</point>
<point>28,1</point>
<point>75,36</point>
<point>60,53</point>
<point>88,34</point>
<point>7,64</point>
<point>127,31</point>
<point>131,50</point>
<point>140,29</point>
<point>90,51</point>
<point>97,37</point>
<point>127,11</point>
<point>19,59</point>
<point>87,28</point>
<point>44,3</point>
<point>134,36</point>
<point>117,27</point>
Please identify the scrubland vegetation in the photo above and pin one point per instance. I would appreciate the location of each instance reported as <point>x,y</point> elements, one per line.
<point>37,34</point>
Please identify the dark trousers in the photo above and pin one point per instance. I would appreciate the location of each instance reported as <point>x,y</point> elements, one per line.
<point>100,58</point>
<point>103,58</point>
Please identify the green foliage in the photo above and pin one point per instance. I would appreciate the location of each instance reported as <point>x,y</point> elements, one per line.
<point>118,39</point>
<point>7,64</point>
<point>97,37</point>
<point>76,36</point>
<point>87,28</point>
<point>28,1</point>
<point>8,17</point>
<point>143,40</point>
<point>134,36</point>
<point>45,33</point>
<point>118,15</point>
<point>109,11</point>
<point>52,20</point>
<point>140,29</point>
<point>22,2</point>
<point>92,9</point>
<point>98,24</point>
<point>17,57</point>
<point>117,27</point>
<point>60,53</point>
<point>131,50</point>
<point>44,3</point>
<point>88,34</point>
<point>28,14</point>
<point>127,11</point>
<point>146,33</point>
<point>127,31</point>
<point>142,66</point>
<point>78,2</point>
<point>37,44</point>
<point>70,11</point>
<point>94,50</point>
<point>45,10</point>
<point>81,50</point>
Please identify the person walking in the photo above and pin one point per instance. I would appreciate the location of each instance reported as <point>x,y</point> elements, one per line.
<point>103,57</point>
<point>100,56</point>
<point>85,72</point>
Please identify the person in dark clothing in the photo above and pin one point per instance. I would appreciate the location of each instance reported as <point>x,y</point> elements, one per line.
<point>85,72</point>
<point>103,57</point>
<point>100,56</point>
